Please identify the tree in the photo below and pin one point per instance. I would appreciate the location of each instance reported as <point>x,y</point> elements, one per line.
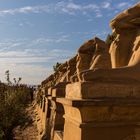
<point>55,67</point>
<point>7,73</point>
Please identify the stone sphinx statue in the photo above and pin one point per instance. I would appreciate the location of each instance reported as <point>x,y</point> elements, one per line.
<point>125,50</point>
<point>48,82</point>
<point>92,54</point>
<point>60,74</point>
<point>126,26</point>
<point>71,69</point>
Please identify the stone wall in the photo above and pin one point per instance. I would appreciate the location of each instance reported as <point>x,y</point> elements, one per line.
<point>96,94</point>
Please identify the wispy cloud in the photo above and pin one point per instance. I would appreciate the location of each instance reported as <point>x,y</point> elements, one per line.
<point>21,51</point>
<point>28,52</point>
<point>30,62</point>
<point>60,39</point>
<point>28,57</point>
<point>72,8</point>
<point>69,7</point>
<point>18,44</point>
<point>123,5</point>
<point>26,9</point>
<point>106,5</point>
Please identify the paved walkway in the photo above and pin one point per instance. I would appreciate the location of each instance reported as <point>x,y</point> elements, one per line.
<point>29,130</point>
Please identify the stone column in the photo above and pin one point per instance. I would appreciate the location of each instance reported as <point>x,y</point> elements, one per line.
<point>56,121</point>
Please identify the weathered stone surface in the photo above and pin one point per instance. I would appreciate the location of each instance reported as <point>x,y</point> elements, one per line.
<point>130,72</point>
<point>87,90</point>
<point>125,56</point>
<point>89,118</point>
<point>56,120</point>
<point>126,25</point>
<point>127,19</point>
<point>58,90</point>
<point>93,54</point>
<point>101,110</point>
<point>71,69</point>
<point>101,57</point>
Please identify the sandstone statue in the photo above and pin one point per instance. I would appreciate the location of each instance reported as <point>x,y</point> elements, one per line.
<point>92,54</point>
<point>71,69</point>
<point>62,69</point>
<point>125,50</point>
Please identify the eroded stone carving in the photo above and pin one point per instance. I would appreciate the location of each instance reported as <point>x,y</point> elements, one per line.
<point>92,54</point>
<point>126,25</point>
<point>123,50</point>
<point>71,69</point>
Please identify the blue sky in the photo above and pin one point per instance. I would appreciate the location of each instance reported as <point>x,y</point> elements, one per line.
<point>35,34</point>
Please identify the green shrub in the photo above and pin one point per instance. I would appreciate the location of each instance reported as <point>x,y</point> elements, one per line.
<point>56,66</point>
<point>13,100</point>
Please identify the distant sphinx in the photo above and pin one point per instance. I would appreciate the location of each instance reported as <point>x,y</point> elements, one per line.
<point>124,50</point>
<point>71,69</point>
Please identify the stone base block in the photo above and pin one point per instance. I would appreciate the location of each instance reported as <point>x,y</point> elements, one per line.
<point>105,131</point>
<point>59,90</point>
<point>101,119</point>
<point>85,90</point>
<point>56,121</point>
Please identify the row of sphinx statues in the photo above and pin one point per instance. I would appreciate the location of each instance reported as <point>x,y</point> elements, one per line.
<point>98,60</point>
<point>115,66</point>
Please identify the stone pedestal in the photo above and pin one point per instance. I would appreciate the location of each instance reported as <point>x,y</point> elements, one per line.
<point>56,120</point>
<point>107,116</point>
<point>88,90</point>
<point>39,116</point>
<point>46,115</point>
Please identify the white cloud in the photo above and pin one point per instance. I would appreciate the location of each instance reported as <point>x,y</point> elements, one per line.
<point>123,5</point>
<point>31,57</point>
<point>91,7</point>
<point>29,65</point>
<point>98,15</point>
<point>18,44</point>
<point>70,8</point>
<point>60,39</point>
<point>26,9</point>
<point>21,51</point>
<point>74,6</point>
<point>24,57</point>
<point>106,5</point>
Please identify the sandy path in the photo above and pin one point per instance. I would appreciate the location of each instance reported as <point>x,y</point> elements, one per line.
<point>29,130</point>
